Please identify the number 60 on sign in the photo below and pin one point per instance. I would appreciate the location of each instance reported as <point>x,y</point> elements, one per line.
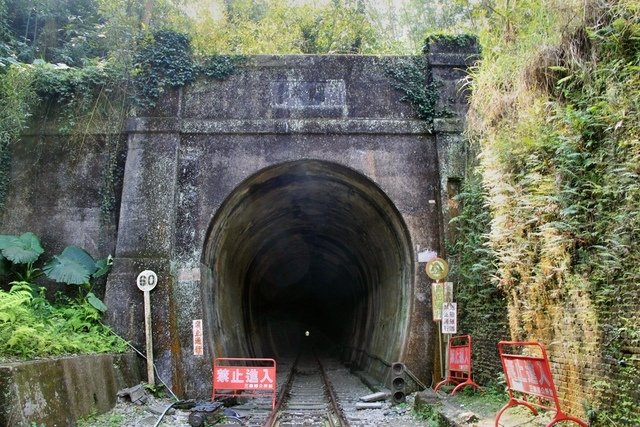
<point>147,280</point>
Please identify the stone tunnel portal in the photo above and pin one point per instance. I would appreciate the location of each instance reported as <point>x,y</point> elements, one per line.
<point>307,246</point>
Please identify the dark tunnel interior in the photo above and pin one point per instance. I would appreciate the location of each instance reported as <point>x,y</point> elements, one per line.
<point>308,252</point>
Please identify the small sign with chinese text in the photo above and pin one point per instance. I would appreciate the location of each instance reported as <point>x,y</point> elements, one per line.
<point>437,298</point>
<point>198,345</point>
<point>449,318</point>
<point>448,292</point>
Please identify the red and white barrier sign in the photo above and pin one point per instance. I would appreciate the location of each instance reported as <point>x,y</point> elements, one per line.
<point>459,372</point>
<point>238,378</point>
<point>460,358</point>
<point>530,374</point>
<point>252,376</point>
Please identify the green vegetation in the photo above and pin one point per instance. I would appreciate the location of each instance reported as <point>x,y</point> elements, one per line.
<point>486,401</point>
<point>253,27</point>
<point>473,267</point>
<point>554,116</point>
<point>31,326</point>
<point>109,420</point>
<point>429,415</point>
<point>411,76</point>
<point>16,100</point>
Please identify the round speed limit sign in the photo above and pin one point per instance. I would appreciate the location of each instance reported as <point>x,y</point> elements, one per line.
<point>147,280</point>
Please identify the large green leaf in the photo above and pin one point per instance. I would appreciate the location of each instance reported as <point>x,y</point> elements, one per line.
<point>96,302</point>
<point>21,250</point>
<point>103,266</point>
<point>73,266</point>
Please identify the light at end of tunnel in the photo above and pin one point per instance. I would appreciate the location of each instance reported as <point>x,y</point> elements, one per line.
<point>306,333</point>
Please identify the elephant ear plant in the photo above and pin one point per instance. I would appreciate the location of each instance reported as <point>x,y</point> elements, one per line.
<point>33,327</point>
<point>20,251</point>
<point>74,266</point>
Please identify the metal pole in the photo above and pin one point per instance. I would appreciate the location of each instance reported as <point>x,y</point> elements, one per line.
<point>147,331</point>
<point>440,349</point>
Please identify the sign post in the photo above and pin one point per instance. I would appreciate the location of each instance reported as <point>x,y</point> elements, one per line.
<point>437,269</point>
<point>146,281</point>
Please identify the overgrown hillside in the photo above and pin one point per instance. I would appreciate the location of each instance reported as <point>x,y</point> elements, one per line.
<point>554,119</point>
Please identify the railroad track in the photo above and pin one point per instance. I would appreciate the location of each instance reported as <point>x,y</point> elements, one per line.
<point>311,393</point>
<point>308,398</point>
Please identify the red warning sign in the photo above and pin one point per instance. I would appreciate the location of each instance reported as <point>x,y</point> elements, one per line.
<point>459,371</point>
<point>252,376</point>
<point>459,358</point>
<point>530,374</point>
<point>243,378</point>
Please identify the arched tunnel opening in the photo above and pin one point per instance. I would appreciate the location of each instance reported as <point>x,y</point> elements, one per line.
<point>307,252</point>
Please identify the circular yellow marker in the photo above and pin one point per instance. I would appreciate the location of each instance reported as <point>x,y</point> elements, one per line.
<point>437,269</point>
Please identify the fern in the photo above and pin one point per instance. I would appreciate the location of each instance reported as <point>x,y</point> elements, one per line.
<point>32,327</point>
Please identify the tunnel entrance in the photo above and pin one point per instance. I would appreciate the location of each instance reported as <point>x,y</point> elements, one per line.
<point>307,252</point>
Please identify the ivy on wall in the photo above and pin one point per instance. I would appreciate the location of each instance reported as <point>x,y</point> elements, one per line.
<point>16,100</point>
<point>412,77</point>
<point>96,99</point>
<point>165,60</point>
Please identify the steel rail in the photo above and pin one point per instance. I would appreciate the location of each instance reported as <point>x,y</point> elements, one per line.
<point>334,414</point>
<point>272,418</point>
<point>342,420</point>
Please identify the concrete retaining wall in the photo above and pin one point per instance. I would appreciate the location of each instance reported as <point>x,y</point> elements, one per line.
<point>57,392</point>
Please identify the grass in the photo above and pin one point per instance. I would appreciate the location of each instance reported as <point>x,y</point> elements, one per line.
<point>486,401</point>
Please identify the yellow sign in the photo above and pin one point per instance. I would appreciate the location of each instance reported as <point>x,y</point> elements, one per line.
<point>437,269</point>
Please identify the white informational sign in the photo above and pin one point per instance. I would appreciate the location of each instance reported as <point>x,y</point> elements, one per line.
<point>147,280</point>
<point>426,256</point>
<point>198,347</point>
<point>449,318</point>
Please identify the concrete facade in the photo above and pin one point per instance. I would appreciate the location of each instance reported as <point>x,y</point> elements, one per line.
<point>220,168</point>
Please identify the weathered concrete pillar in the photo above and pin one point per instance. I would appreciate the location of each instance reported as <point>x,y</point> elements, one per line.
<point>449,58</point>
<point>146,240</point>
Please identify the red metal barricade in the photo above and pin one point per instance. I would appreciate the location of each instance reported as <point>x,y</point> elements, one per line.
<point>251,377</point>
<point>459,370</point>
<point>530,375</point>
